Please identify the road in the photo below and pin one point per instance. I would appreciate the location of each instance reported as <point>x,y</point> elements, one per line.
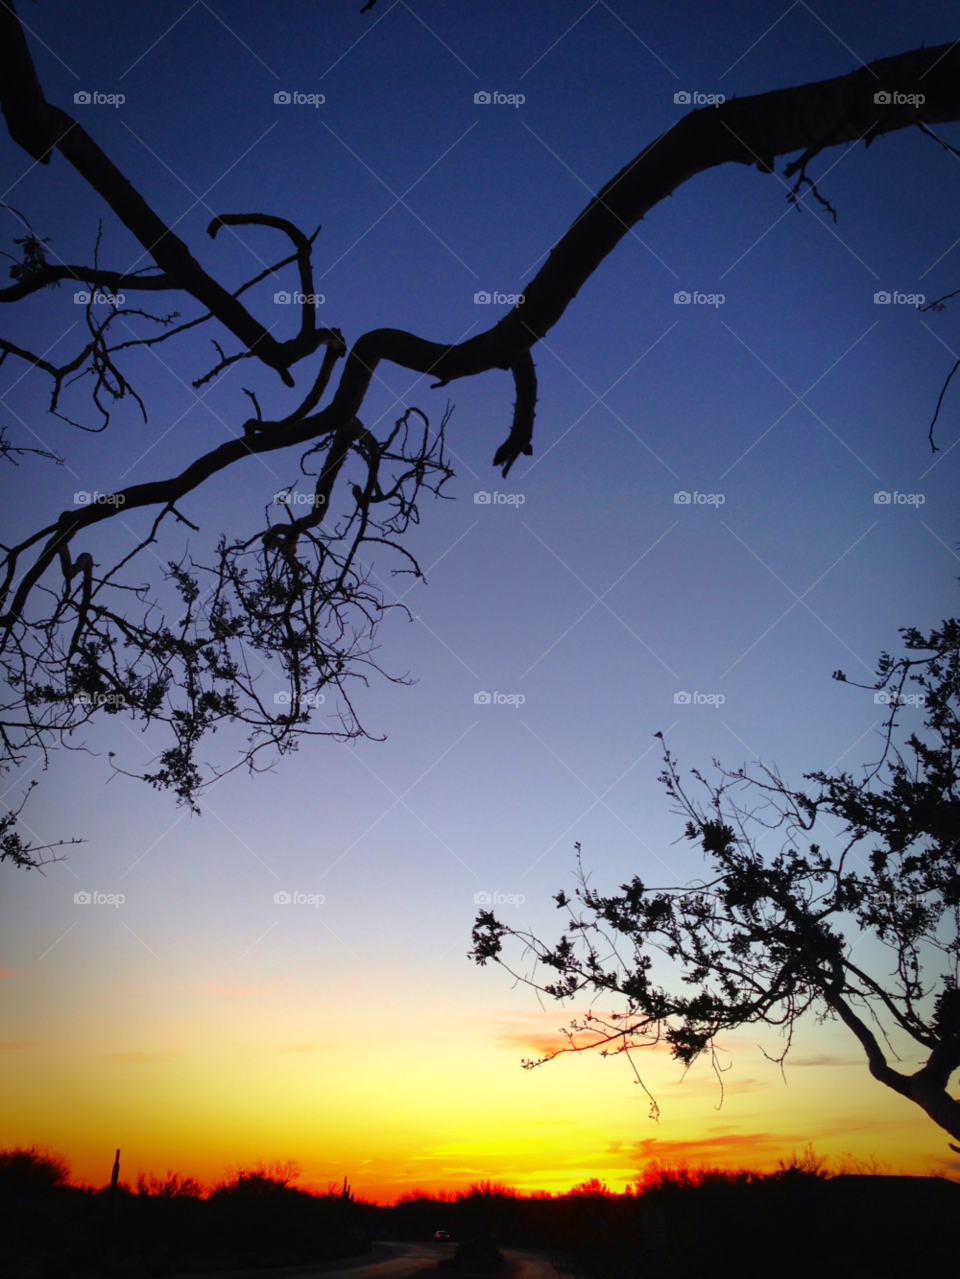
<point>528,1265</point>
<point>399,1261</point>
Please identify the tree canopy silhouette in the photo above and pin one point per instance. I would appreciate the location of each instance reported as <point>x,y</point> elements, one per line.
<point>765,937</point>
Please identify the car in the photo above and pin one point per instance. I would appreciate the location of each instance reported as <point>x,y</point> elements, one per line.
<point>442,1236</point>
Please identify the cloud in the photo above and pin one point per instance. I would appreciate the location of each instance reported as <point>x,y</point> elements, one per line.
<point>704,1085</point>
<point>541,1034</point>
<point>824,1059</point>
<point>531,1043</point>
<point>866,1123</point>
<point>236,992</point>
<point>297,1048</point>
<point>18,1043</point>
<point>724,1146</point>
<point>140,1059</point>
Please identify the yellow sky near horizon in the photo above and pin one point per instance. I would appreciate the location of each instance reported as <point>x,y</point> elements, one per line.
<point>196,1077</point>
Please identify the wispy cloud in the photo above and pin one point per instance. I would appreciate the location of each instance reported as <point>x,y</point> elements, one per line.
<point>140,1059</point>
<point>541,1033</point>
<point>237,992</point>
<point>824,1059</point>
<point>723,1146</point>
<point>315,1046</point>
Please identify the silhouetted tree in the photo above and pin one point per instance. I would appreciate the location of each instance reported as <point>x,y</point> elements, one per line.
<point>767,938</point>
<point>80,639</point>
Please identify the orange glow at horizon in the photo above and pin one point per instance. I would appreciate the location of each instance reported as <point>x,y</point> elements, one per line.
<point>234,1078</point>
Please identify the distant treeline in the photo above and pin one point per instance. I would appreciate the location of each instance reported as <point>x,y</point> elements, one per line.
<point>798,1222</point>
<point>673,1223</point>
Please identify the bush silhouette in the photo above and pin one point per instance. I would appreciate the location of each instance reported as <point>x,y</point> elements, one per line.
<point>33,1171</point>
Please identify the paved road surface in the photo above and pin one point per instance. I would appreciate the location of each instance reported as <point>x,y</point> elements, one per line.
<point>398,1261</point>
<point>528,1265</point>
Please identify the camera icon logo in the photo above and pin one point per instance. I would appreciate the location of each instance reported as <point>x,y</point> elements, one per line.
<point>682,99</point>
<point>82,98</point>
<point>882,98</point>
<point>282,298</point>
<point>681,699</point>
<point>682,498</point>
<point>81,899</point>
<point>882,699</point>
<point>82,498</point>
<point>281,699</point>
<point>81,298</point>
<point>882,298</point>
<point>682,297</point>
<point>481,298</point>
<point>482,498</point>
<point>481,699</point>
<point>281,899</point>
<point>482,98</point>
<point>282,98</point>
<point>881,499</point>
<point>482,899</point>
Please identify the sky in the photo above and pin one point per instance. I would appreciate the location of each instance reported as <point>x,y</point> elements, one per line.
<point>199,1024</point>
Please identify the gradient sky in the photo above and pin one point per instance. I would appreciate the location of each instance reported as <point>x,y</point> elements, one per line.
<point>199,1024</point>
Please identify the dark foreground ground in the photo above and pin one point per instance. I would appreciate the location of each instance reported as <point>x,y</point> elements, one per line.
<point>790,1227</point>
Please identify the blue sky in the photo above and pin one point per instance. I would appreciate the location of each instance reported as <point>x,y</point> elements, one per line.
<point>597,599</point>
